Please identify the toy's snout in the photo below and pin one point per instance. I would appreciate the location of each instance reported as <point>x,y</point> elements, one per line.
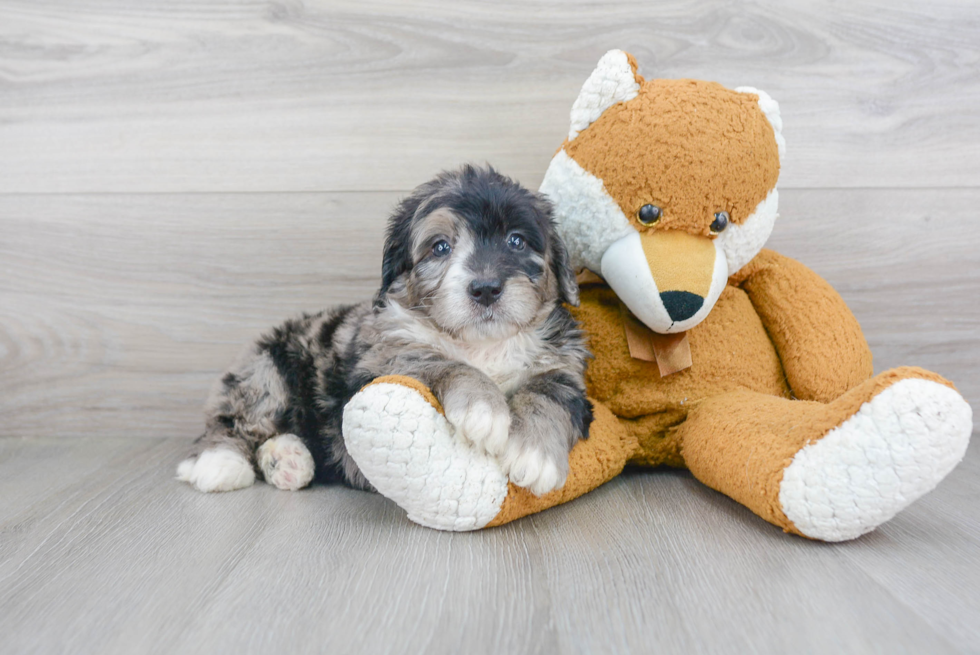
<point>682,266</point>
<point>669,279</point>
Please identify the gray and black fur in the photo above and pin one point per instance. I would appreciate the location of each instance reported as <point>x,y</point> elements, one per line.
<point>471,303</point>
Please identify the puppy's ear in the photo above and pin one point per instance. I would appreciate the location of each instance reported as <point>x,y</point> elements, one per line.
<point>560,265</point>
<point>397,259</point>
<point>562,270</point>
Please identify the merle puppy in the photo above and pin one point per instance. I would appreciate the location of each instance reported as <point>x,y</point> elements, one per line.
<point>474,279</point>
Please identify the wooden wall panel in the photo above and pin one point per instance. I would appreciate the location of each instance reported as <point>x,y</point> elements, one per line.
<point>211,95</point>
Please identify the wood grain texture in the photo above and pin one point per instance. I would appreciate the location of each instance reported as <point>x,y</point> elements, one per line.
<point>177,176</point>
<point>129,561</point>
<point>118,311</point>
<point>253,95</point>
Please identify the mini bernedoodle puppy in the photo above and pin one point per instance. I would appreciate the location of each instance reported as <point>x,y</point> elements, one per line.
<point>474,279</point>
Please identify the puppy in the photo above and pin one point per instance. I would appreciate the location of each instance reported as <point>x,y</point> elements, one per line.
<point>474,279</point>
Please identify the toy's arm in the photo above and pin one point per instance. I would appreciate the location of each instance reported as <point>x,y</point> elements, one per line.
<point>819,341</point>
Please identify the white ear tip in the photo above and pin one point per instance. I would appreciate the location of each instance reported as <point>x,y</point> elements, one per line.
<point>613,55</point>
<point>612,81</point>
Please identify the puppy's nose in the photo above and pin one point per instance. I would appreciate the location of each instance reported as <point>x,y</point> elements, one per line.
<point>681,305</point>
<point>486,292</point>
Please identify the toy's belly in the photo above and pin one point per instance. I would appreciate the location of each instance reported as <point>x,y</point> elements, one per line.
<point>730,350</point>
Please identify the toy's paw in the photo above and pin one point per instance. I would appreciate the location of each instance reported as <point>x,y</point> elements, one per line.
<point>217,469</point>
<point>409,452</point>
<point>286,462</point>
<point>480,416</point>
<point>534,469</point>
<point>896,448</point>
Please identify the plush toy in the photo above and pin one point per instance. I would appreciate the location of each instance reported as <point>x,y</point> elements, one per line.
<point>711,353</point>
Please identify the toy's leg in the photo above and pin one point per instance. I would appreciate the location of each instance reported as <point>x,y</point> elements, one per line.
<point>395,431</point>
<point>830,471</point>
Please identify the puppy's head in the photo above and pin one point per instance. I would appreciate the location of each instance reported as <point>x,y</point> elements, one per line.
<point>477,254</point>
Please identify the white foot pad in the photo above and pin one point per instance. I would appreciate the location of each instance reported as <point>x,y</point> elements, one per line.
<point>896,448</point>
<point>408,451</point>
<point>217,469</point>
<point>286,462</point>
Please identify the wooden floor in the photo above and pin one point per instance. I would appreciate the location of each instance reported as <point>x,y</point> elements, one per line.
<point>103,552</point>
<point>177,176</point>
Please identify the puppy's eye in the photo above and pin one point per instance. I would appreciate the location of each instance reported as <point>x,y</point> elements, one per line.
<point>649,214</point>
<point>441,248</point>
<point>516,242</point>
<point>720,223</point>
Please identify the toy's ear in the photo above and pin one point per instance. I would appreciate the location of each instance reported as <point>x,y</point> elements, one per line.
<point>614,80</point>
<point>770,108</point>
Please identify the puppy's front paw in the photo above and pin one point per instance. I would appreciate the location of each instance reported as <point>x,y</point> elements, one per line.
<point>481,417</point>
<point>534,469</point>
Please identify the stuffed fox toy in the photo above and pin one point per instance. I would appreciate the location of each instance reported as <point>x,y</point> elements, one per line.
<point>711,353</point>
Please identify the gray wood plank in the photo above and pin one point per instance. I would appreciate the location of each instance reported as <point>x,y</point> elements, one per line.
<point>132,561</point>
<point>117,312</point>
<point>219,95</point>
<point>39,473</point>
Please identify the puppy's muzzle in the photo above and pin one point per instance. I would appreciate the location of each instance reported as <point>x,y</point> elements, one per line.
<point>486,292</point>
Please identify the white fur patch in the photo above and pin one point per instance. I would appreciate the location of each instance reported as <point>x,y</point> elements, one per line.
<point>741,243</point>
<point>217,469</point>
<point>625,268</point>
<point>588,219</point>
<point>408,451</point>
<point>612,81</point>
<point>896,448</point>
<point>286,462</point>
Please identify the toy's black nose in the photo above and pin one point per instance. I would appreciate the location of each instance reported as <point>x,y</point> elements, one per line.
<point>486,292</point>
<point>681,305</point>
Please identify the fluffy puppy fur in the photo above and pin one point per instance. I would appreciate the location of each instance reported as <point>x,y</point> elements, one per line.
<point>474,279</point>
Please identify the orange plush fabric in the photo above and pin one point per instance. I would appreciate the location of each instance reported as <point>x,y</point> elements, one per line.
<point>821,346</point>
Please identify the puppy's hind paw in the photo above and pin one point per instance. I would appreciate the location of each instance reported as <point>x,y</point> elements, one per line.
<point>217,469</point>
<point>286,462</point>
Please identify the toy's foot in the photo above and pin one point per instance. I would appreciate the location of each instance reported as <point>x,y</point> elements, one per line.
<point>896,448</point>
<point>286,462</point>
<point>406,448</point>
<point>217,469</point>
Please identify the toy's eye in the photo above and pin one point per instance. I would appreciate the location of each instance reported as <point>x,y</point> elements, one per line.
<point>649,214</point>
<point>516,242</point>
<point>441,248</point>
<point>720,223</point>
